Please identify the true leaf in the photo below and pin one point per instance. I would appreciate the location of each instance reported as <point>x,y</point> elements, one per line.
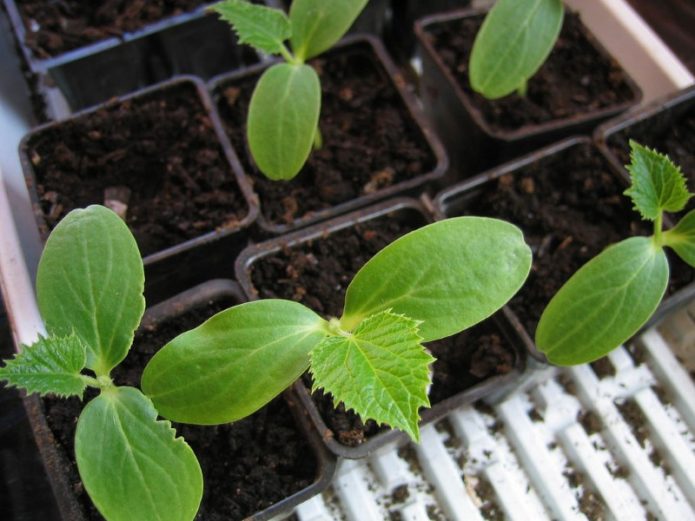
<point>514,41</point>
<point>657,183</point>
<point>449,275</point>
<point>604,303</point>
<point>317,24</point>
<point>50,366</point>
<point>233,364</point>
<point>381,370</point>
<point>682,238</point>
<point>133,466</point>
<point>261,27</point>
<point>90,280</point>
<point>283,118</point>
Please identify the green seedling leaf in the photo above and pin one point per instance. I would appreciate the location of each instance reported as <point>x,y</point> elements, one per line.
<point>515,39</point>
<point>233,364</point>
<point>261,27</point>
<point>682,238</point>
<point>381,370</point>
<point>283,118</point>
<point>658,184</point>
<point>450,275</point>
<point>90,280</point>
<point>317,25</point>
<point>133,466</point>
<point>50,366</point>
<point>604,303</point>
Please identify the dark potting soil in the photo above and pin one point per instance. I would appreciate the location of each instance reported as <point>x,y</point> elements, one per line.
<point>575,80</point>
<point>370,141</point>
<point>570,207</point>
<point>162,147</point>
<point>670,134</point>
<point>317,274</point>
<point>57,27</point>
<point>247,465</point>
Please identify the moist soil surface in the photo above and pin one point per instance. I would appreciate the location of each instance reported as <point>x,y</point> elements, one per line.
<point>247,465</point>
<point>317,274</point>
<point>575,80</point>
<point>669,133</point>
<point>370,141</point>
<point>570,207</point>
<point>57,27</point>
<point>162,147</point>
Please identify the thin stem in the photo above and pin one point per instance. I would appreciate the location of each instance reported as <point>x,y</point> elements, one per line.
<point>289,58</point>
<point>318,139</point>
<point>90,381</point>
<point>522,89</point>
<point>658,232</point>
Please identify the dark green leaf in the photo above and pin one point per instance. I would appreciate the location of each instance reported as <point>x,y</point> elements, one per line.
<point>90,280</point>
<point>261,27</point>
<point>604,303</point>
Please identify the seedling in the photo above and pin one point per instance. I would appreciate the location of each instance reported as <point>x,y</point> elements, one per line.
<point>89,287</point>
<point>283,117</point>
<point>429,284</point>
<point>612,296</point>
<point>514,41</point>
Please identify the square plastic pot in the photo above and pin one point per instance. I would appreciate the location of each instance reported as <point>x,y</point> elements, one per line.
<point>473,143</point>
<point>410,214</point>
<point>195,42</point>
<point>204,255</point>
<point>356,51</point>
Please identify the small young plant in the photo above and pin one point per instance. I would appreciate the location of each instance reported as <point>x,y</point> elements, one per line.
<point>514,41</point>
<point>283,119</point>
<point>612,296</point>
<point>427,285</point>
<point>89,286</point>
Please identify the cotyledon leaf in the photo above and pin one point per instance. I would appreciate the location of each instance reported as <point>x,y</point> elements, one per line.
<point>515,39</point>
<point>234,363</point>
<point>682,238</point>
<point>283,118</point>
<point>133,466</point>
<point>449,275</point>
<point>604,303</point>
<point>90,280</point>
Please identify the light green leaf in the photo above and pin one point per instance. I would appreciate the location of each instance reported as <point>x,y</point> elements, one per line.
<point>381,371</point>
<point>50,366</point>
<point>233,364</point>
<point>682,238</point>
<point>450,275</point>
<point>604,303</point>
<point>90,280</point>
<point>317,25</point>
<point>283,118</point>
<point>658,184</point>
<point>261,27</point>
<point>133,466</point>
<point>515,39</point>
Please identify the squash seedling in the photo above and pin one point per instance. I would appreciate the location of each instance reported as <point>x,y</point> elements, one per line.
<point>427,285</point>
<point>514,41</point>
<point>89,287</point>
<point>283,118</point>
<point>612,296</point>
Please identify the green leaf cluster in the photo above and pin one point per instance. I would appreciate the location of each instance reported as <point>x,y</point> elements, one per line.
<point>90,282</point>
<point>429,284</point>
<point>612,296</point>
<point>514,41</point>
<point>282,125</point>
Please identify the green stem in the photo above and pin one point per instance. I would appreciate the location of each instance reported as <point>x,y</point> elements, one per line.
<point>658,230</point>
<point>522,89</point>
<point>289,58</point>
<point>90,381</point>
<point>318,139</point>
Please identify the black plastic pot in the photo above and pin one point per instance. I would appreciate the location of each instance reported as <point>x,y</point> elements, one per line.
<point>460,199</point>
<point>189,43</point>
<point>57,461</point>
<point>411,214</point>
<point>370,51</point>
<point>472,142</point>
<point>203,256</point>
